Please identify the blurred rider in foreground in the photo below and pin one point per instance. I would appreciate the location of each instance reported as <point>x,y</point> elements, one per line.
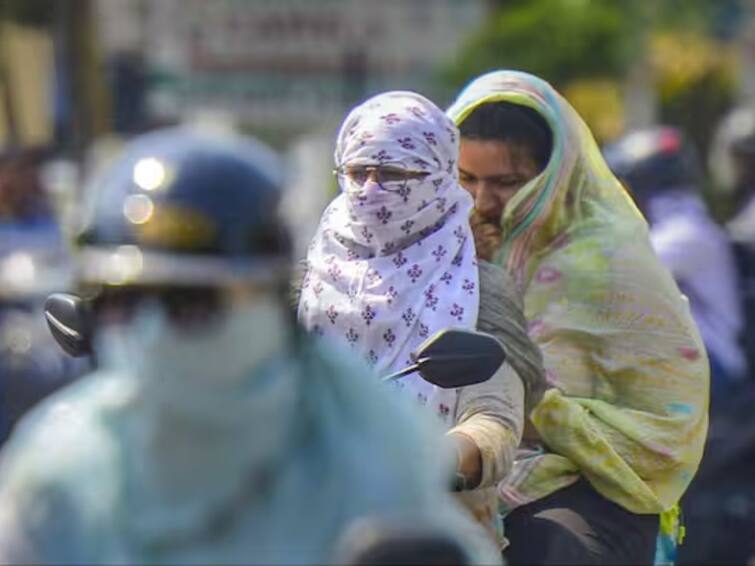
<point>214,430</point>
<point>661,170</point>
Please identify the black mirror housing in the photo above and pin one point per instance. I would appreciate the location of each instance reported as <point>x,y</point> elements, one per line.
<point>69,321</point>
<point>457,358</point>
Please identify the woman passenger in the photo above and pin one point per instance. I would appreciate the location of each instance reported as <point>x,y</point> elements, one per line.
<point>618,436</point>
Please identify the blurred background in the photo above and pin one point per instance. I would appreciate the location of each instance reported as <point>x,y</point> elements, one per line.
<point>76,76</point>
<point>79,77</point>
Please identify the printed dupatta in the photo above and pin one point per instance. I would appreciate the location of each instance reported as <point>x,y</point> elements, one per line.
<point>628,404</point>
<point>386,270</point>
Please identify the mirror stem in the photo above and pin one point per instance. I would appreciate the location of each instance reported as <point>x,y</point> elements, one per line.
<point>401,373</point>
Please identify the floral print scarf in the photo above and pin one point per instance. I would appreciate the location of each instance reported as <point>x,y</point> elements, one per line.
<point>388,269</point>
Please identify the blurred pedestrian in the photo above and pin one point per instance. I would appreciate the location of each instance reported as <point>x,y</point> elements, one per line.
<point>732,164</point>
<point>662,172</point>
<point>27,219</point>
<point>618,436</point>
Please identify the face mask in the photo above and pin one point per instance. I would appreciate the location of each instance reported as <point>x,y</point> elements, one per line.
<point>213,408</point>
<point>217,374</point>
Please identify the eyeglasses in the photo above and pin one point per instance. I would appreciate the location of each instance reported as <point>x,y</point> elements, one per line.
<point>391,177</point>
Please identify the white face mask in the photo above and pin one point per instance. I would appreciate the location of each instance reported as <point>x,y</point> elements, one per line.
<point>216,374</point>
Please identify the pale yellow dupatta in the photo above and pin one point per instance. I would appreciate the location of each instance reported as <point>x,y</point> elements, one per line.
<point>628,409</point>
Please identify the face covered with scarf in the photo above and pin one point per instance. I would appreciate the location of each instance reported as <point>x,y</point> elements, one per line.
<point>393,259</point>
<point>194,349</point>
<point>205,368</point>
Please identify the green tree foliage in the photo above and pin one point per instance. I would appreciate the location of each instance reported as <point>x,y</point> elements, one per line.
<point>696,81</point>
<point>559,40</point>
<point>567,40</point>
<point>679,43</point>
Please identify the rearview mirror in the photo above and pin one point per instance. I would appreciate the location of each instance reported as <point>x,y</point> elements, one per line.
<point>68,319</point>
<point>456,358</point>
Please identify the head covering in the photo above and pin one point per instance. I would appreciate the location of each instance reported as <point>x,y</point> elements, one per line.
<point>628,407</point>
<point>386,269</point>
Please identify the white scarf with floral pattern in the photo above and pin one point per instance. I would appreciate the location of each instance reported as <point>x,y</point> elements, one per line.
<point>386,270</point>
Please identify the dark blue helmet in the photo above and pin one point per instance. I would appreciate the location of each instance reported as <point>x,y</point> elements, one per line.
<point>181,208</point>
<point>654,160</point>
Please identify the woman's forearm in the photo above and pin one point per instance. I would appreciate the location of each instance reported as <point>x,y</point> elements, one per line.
<point>491,416</point>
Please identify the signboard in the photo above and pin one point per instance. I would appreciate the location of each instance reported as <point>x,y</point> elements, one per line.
<point>290,64</point>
